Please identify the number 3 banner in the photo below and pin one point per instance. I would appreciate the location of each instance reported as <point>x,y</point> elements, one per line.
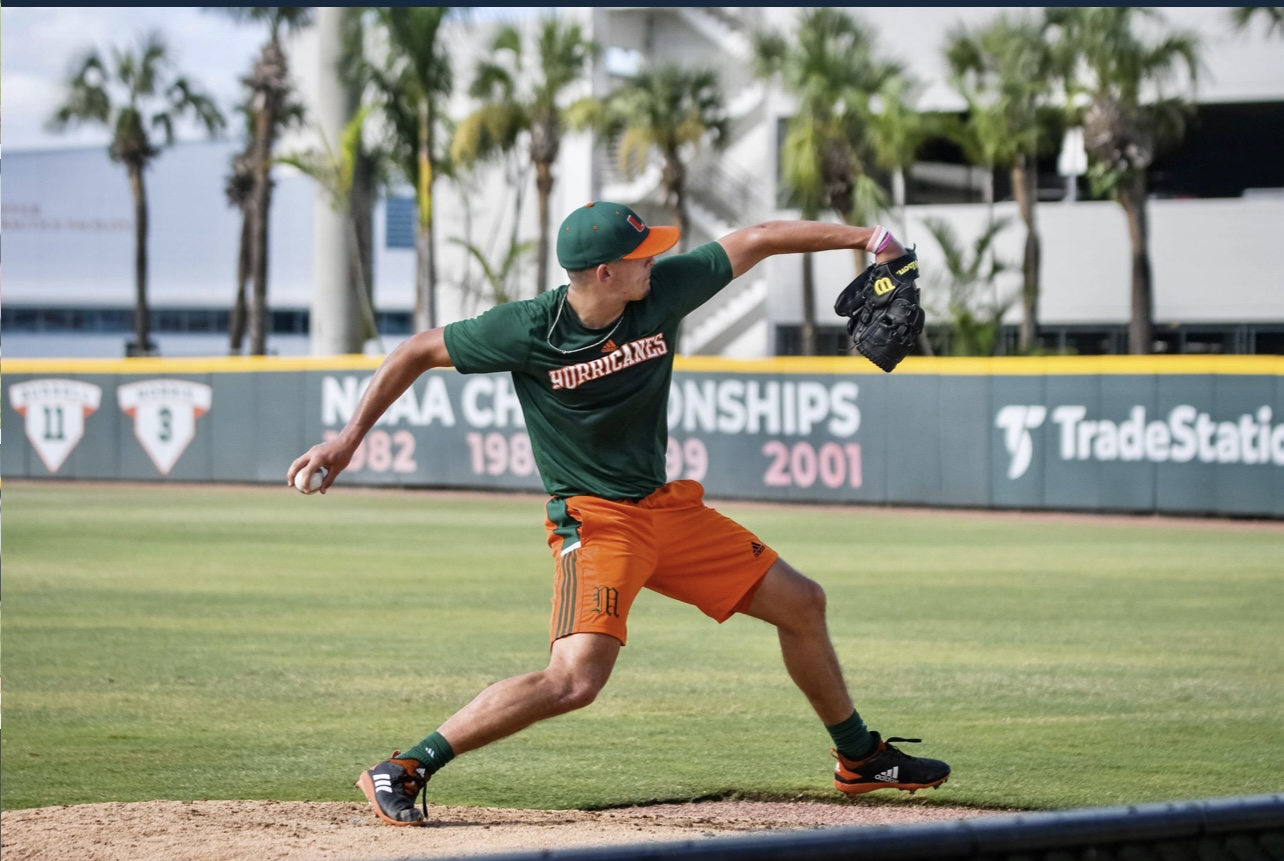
<point>165,414</point>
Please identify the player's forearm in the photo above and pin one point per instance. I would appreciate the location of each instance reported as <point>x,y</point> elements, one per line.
<point>751,245</point>
<point>796,237</point>
<point>397,373</point>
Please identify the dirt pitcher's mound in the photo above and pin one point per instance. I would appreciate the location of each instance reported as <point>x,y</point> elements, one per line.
<point>342,831</point>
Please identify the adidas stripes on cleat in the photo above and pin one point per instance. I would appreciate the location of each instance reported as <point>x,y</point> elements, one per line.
<point>391,787</point>
<point>887,768</point>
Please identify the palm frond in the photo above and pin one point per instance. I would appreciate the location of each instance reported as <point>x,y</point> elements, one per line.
<point>967,294</point>
<point>1242,18</point>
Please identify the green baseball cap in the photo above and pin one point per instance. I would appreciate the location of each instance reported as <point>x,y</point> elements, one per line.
<point>603,231</point>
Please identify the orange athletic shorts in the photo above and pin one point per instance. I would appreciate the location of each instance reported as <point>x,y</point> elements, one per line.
<point>606,550</point>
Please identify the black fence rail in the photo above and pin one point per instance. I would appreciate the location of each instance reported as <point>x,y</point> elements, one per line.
<point>1249,828</point>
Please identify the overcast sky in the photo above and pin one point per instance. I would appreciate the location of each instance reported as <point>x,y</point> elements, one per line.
<point>41,43</point>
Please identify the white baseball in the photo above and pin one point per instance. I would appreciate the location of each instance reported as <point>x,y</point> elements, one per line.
<point>313,480</point>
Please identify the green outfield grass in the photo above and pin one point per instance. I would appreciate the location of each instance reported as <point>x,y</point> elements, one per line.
<point>233,643</point>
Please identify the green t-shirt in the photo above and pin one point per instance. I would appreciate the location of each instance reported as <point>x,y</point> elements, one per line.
<point>596,415</point>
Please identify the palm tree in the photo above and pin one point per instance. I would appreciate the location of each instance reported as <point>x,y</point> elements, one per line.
<point>670,110</point>
<point>971,300</point>
<point>1004,72</point>
<point>895,130</point>
<point>829,65</point>
<point>414,85</point>
<point>239,189</point>
<point>369,165</point>
<point>494,133</point>
<point>335,172</point>
<point>499,283</point>
<point>1104,56</point>
<point>139,98</point>
<point>513,110</point>
<point>366,168</point>
<point>270,89</point>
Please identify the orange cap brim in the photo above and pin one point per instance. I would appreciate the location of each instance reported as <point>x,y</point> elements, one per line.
<point>658,240</point>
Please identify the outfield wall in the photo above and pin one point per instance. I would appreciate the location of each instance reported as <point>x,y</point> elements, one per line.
<point>1177,434</point>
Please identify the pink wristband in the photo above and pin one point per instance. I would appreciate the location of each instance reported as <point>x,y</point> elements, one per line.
<point>879,240</point>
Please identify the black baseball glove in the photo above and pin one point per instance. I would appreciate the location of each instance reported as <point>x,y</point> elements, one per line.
<point>883,310</point>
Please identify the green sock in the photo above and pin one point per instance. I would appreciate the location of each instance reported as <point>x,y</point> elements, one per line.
<point>851,737</point>
<point>434,752</point>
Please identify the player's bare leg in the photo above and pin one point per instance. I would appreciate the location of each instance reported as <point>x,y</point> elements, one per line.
<point>866,762</point>
<point>796,606</point>
<point>578,668</point>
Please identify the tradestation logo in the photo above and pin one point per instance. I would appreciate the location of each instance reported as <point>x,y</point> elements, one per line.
<point>1185,435</point>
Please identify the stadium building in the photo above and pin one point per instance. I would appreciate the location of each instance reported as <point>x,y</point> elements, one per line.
<point>1216,209</point>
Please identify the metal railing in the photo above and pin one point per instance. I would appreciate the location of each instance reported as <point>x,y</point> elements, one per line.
<point>1249,828</point>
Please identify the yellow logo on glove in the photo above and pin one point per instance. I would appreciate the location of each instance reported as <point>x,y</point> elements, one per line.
<point>883,286</point>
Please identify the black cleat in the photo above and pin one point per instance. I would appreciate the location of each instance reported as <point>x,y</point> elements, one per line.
<point>888,768</point>
<point>391,787</point>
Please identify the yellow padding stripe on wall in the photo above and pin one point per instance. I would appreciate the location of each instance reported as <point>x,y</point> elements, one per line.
<point>997,366</point>
<point>210,365</point>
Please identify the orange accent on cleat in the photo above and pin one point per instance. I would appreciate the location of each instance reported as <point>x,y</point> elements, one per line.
<point>887,767</point>
<point>398,781</point>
